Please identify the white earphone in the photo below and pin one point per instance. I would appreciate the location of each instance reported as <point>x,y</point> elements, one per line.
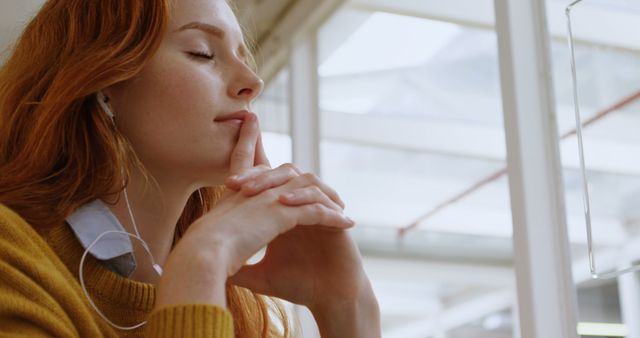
<point>156,267</point>
<point>102,101</point>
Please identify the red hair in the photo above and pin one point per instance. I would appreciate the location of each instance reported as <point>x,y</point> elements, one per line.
<point>58,151</point>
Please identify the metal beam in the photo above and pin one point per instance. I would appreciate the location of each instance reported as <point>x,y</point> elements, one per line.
<point>302,18</point>
<point>434,137</point>
<point>629,296</point>
<point>473,309</point>
<point>546,294</point>
<point>613,22</point>
<point>304,103</point>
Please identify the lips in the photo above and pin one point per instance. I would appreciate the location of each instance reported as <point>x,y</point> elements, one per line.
<point>238,115</point>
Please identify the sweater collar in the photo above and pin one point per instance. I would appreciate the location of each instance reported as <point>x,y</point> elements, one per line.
<point>114,249</point>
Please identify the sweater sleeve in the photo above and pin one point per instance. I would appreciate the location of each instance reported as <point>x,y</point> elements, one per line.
<point>196,320</point>
<point>40,298</point>
<point>29,304</point>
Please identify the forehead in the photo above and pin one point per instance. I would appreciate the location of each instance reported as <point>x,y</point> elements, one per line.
<point>213,12</point>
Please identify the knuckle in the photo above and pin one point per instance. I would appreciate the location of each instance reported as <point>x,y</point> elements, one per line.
<point>296,169</point>
<point>311,177</point>
<point>317,208</point>
<point>315,190</point>
<point>263,175</point>
<point>289,169</point>
<point>291,172</point>
<point>292,167</point>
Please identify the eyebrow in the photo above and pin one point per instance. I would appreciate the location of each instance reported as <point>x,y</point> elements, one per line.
<point>205,27</point>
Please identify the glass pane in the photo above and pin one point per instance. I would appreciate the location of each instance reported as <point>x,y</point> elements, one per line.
<point>607,55</point>
<point>273,112</point>
<point>412,138</point>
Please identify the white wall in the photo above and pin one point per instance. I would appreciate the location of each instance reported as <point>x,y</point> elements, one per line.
<point>14,15</point>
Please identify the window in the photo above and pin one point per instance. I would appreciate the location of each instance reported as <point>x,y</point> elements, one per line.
<point>413,139</point>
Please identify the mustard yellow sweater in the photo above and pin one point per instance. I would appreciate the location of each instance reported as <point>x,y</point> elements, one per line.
<point>40,295</point>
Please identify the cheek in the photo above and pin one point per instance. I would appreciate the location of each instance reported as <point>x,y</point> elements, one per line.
<point>169,111</point>
<point>181,90</point>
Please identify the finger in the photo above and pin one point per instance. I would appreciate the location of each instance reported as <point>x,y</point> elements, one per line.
<point>325,228</point>
<point>261,155</point>
<point>270,179</point>
<point>308,195</point>
<point>243,154</point>
<point>319,214</point>
<point>307,179</point>
<point>235,181</point>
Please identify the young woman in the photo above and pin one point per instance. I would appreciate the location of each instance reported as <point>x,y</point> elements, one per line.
<point>133,116</point>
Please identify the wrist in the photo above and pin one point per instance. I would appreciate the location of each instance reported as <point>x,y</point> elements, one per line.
<point>193,276</point>
<point>357,317</point>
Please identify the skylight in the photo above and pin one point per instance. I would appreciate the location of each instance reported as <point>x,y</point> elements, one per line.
<point>384,39</point>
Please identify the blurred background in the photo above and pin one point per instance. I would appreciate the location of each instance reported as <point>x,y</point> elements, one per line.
<point>405,121</point>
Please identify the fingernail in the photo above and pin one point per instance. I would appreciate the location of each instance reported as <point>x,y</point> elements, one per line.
<point>290,196</point>
<point>352,222</point>
<point>234,178</point>
<point>250,185</point>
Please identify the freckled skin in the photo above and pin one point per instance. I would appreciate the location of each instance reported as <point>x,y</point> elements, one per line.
<point>167,111</point>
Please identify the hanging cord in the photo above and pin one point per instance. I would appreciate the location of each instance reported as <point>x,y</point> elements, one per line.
<point>84,288</point>
<point>158,269</point>
<point>102,101</point>
<point>585,184</point>
<point>137,236</point>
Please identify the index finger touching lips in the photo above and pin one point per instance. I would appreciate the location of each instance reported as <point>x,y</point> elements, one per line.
<point>243,154</point>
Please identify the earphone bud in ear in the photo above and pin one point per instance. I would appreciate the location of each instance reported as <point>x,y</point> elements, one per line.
<point>102,101</point>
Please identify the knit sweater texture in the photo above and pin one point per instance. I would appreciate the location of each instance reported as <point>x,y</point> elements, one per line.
<point>40,295</point>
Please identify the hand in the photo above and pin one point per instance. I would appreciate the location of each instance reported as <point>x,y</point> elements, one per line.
<point>309,266</point>
<point>255,180</point>
<point>218,244</point>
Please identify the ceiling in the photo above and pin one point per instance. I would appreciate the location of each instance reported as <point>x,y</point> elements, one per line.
<point>270,24</point>
<point>13,16</point>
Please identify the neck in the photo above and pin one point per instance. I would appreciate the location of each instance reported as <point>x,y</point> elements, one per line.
<point>156,210</point>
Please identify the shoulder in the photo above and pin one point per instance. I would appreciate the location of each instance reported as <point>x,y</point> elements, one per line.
<point>21,246</point>
<point>34,288</point>
<point>9,217</point>
<point>16,233</point>
<point>26,255</point>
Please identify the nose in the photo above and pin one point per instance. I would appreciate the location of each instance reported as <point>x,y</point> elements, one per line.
<point>246,84</point>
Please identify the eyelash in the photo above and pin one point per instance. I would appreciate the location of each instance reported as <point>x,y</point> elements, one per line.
<point>202,55</point>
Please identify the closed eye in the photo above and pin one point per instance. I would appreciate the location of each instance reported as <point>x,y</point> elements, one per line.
<point>202,55</point>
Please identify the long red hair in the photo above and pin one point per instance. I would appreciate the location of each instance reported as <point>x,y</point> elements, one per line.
<point>58,151</point>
